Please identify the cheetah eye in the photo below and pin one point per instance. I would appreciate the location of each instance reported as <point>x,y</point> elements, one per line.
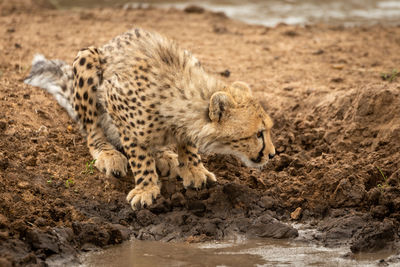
<point>259,134</point>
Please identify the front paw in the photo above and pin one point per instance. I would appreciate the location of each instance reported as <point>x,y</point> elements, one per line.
<point>143,195</point>
<point>112,162</point>
<point>167,163</point>
<point>195,176</point>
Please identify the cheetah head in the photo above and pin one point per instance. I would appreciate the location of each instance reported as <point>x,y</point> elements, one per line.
<point>243,128</point>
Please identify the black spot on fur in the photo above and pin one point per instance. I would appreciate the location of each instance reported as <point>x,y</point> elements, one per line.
<point>90,81</point>
<point>82,61</point>
<point>81,82</point>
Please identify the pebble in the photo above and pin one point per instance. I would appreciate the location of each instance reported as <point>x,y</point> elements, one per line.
<point>295,215</point>
<point>23,185</point>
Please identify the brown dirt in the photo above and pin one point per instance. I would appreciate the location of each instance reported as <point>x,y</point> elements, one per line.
<point>337,127</point>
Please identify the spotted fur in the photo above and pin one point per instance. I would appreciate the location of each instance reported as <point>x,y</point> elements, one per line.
<point>140,94</point>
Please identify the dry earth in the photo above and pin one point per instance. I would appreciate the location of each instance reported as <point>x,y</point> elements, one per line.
<point>337,131</point>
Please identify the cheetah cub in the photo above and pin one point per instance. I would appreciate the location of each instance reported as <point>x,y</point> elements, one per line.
<point>139,94</point>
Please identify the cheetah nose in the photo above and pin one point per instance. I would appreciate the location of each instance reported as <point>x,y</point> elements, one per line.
<point>270,156</point>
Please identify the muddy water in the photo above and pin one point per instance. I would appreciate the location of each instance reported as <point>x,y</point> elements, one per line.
<point>272,12</point>
<point>266,252</point>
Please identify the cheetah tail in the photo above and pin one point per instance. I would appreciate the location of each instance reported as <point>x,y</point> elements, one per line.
<point>56,77</point>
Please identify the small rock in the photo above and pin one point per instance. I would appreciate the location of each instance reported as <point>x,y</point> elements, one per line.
<point>70,128</point>
<point>337,80</point>
<point>295,215</point>
<point>318,52</point>
<point>337,66</point>
<point>226,73</point>
<point>194,9</point>
<point>23,185</point>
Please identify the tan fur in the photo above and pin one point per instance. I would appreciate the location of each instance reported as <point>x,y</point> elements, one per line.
<point>141,93</point>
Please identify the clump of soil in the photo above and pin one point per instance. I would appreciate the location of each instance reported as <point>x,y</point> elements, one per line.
<point>337,127</point>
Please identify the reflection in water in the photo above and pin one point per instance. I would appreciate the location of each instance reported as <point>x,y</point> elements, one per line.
<point>272,12</point>
<point>263,252</point>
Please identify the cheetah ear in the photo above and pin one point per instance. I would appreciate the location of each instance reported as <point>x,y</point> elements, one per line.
<point>240,90</point>
<point>220,103</point>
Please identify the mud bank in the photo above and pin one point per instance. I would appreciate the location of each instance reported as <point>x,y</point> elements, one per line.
<point>337,131</point>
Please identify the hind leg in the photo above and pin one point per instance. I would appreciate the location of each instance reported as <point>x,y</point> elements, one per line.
<point>87,78</point>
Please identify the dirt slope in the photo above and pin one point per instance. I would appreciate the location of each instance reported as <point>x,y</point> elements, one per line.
<point>337,131</point>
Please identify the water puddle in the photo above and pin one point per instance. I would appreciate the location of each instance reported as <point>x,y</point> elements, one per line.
<point>263,252</point>
<point>272,12</point>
